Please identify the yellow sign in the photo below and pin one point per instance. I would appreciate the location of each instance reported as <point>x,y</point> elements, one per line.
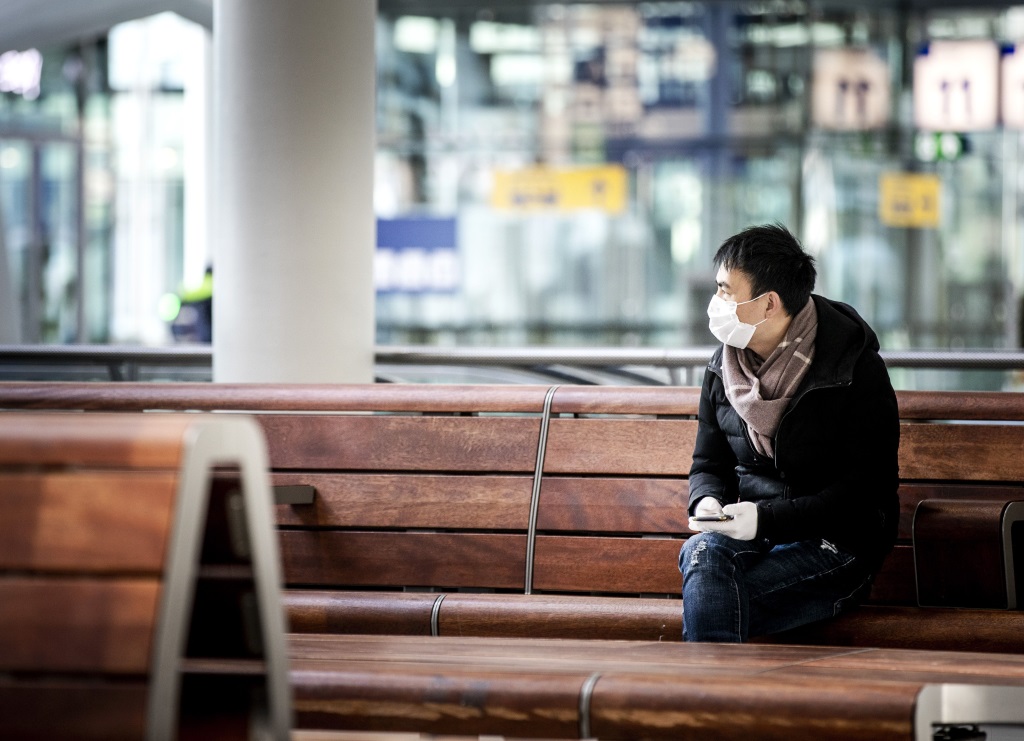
<point>561,189</point>
<point>909,200</point>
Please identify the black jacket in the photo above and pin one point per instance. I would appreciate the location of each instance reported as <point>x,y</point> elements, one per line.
<point>836,472</point>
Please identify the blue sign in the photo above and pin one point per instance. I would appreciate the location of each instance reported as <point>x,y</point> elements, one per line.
<point>416,255</point>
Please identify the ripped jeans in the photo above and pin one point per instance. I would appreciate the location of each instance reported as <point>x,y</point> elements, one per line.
<point>734,589</point>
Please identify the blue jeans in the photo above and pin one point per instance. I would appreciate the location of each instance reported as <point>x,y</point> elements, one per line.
<point>734,589</point>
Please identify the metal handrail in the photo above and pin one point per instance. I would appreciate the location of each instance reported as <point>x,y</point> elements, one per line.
<point>124,361</point>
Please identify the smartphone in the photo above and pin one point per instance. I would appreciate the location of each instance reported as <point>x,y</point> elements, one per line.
<point>712,518</point>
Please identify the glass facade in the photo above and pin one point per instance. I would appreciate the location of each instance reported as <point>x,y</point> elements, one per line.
<point>588,157</point>
<point>722,115</point>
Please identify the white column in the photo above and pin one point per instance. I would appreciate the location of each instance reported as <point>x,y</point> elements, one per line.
<point>293,191</point>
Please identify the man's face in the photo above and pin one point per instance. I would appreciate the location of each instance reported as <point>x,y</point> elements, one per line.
<point>734,285</point>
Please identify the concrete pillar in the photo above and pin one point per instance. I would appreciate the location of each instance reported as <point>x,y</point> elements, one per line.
<point>293,191</point>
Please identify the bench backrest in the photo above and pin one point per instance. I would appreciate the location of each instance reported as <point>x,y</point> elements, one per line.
<point>569,489</point>
<point>123,599</point>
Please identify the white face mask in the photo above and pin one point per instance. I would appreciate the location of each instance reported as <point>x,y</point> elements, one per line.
<point>726,326</point>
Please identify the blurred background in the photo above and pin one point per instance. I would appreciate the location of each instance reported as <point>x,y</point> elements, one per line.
<point>554,174</point>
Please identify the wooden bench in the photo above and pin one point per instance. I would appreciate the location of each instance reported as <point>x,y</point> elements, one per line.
<point>544,688</point>
<point>137,601</point>
<point>559,512</point>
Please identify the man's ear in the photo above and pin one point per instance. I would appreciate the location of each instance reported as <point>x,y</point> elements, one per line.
<point>774,305</point>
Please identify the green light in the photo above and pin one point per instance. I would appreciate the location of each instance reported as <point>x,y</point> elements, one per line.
<point>168,307</point>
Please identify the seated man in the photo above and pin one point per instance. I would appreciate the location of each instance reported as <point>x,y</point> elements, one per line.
<point>795,471</point>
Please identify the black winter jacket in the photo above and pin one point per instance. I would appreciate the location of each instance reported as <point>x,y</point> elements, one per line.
<point>835,472</point>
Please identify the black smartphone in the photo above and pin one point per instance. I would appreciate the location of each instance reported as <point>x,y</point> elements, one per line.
<point>711,518</point>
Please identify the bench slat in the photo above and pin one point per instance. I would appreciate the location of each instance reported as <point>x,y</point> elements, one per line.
<point>699,706</point>
<point>967,452</point>
<point>329,695</point>
<point>394,443</point>
<point>594,564</point>
<point>974,405</point>
<point>140,441</point>
<point>613,505</point>
<point>77,625</point>
<point>661,400</point>
<point>620,446</point>
<point>932,628</point>
<point>410,500</point>
<point>495,561</point>
<point>135,397</point>
<point>120,521</point>
<point>557,616</point>
<point>335,611</point>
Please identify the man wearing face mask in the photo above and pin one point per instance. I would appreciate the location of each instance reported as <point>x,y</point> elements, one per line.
<point>794,475</point>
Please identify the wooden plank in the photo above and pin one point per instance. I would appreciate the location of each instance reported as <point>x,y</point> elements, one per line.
<point>91,521</point>
<point>660,400</point>
<point>561,616</point>
<point>964,405</point>
<point>932,628</point>
<point>601,564</point>
<point>958,550</point>
<point>85,709</point>
<point>125,397</point>
<point>77,625</point>
<point>337,611</point>
<point>410,500</point>
<point>968,667</point>
<point>570,656</point>
<point>358,559</point>
<point>964,452</point>
<point>453,702</point>
<point>401,443</point>
<point>104,440</point>
<point>620,446</point>
<point>635,505</point>
<point>765,707</point>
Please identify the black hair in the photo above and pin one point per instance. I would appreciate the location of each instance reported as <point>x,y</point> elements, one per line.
<point>772,258</point>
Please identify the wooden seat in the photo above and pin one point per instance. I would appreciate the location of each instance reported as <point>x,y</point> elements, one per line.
<point>540,688</point>
<point>135,600</point>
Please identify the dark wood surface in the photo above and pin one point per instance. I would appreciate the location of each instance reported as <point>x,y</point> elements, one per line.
<point>950,534</point>
<point>353,558</point>
<point>435,492</point>
<point>643,689</point>
<point>91,517</point>
<point>96,521</point>
<point>410,501</point>
<point>401,443</point>
<point>134,397</point>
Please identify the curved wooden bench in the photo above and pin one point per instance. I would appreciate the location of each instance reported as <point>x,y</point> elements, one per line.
<point>135,600</point>
<point>573,493</point>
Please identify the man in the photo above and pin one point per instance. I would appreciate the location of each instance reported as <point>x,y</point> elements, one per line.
<point>794,475</point>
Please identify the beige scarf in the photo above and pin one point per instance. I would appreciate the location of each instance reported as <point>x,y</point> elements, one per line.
<point>760,392</point>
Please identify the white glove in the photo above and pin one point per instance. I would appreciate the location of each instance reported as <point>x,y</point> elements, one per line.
<point>742,526</point>
<point>707,507</point>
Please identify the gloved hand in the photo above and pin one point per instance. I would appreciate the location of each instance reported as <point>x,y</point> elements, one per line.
<point>707,507</point>
<point>742,526</point>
